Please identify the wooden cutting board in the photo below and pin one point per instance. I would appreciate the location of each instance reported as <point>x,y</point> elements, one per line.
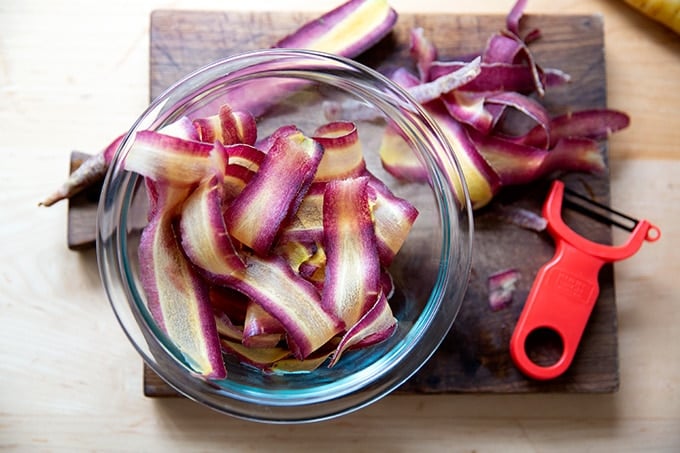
<point>474,357</point>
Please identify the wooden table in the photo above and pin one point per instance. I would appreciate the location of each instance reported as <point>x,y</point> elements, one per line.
<point>71,75</point>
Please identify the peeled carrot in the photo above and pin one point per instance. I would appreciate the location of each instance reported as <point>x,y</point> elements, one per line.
<point>666,12</point>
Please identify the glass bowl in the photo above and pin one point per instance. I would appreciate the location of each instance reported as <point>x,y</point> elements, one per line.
<point>430,272</point>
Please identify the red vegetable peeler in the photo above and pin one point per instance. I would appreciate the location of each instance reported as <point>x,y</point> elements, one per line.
<point>566,288</point>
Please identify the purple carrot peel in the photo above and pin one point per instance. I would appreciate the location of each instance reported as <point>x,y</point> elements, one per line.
<point>376,325</point>
<point>393,218</point>
<point>342,151</point>
<point>260,329</point>
<point>292,300</point>
<point>272,196</point>
<point>352,263</point>
<point>347,30</point>
<point>174,160</point>
<point>472,116</point>
<point>204,235</point>
<point>502,286</point>
<point>178,298</point>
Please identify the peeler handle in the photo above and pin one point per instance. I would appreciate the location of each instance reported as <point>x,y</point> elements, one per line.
<point>561,300</point>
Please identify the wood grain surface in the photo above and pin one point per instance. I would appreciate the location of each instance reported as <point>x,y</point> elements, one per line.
<point>474,357</point>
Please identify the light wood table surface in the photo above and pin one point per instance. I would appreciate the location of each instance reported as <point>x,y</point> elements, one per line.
<point>73,73</point>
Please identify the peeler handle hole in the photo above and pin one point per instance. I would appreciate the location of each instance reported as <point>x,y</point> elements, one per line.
<point>544,346</point>
<point>653,234</point>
